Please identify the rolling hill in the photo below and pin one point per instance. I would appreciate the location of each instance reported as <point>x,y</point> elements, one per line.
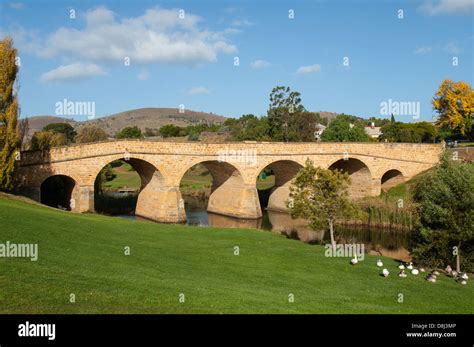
<point>152,118</point>
<point>149,117</point>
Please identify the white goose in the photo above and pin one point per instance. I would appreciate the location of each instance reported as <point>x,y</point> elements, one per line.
<point>415,272</point>
<point>385,273</point>
<point>464,276</point>
<point>354,261</point>
<point>410,266</point>
<point>402,274</point>
<point>449,269</point>
<point>379,263</point>
<point>401,266</point>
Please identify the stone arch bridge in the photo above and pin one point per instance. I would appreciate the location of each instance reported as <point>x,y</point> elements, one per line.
<point>233,166</point>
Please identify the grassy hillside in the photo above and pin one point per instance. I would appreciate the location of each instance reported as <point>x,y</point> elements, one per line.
<point>84,255</point>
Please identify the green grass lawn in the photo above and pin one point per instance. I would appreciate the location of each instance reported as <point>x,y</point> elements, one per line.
<point>125,178</point>
<point>84,255</point>
<point>267,182</point>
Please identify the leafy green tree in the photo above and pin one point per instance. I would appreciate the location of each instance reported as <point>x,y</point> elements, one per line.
<point>130,133</point>
<point>44,140</point>
<point>170,130</point>
<point>9,140</point>
<point>303,126</point>
<point>90,133</point>
<point>378,122</point>
<point>320,195</point>
<point>409,132</point>
<point>445,232</point>
<point>345,128</point>
<point>283,104</point>
<point>391,132</point>
<point>248,127</point>
<point>62,128</point>
<point>426,131</point>
<point>193,136</point>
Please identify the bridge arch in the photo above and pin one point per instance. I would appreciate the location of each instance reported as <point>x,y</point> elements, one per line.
<point>229,194</point>
<point>276,196</point>
<point>58,191</point>
<point>391,178</point>
<point>151,179</point>
<point>361,177</point>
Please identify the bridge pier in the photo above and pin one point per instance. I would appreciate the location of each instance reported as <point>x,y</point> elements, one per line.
<point>161,204</point>
<point>235,201</point>
<point>279,198</point>
<point>82,199</point>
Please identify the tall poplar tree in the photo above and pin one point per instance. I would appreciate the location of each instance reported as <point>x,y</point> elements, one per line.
<point>9,141</point>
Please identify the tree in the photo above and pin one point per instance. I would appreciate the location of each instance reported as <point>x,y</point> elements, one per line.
<point>303,126</point>
<point>23,128</point>
<point>321,196</point>
<point>248,127</point>
<point>454,102</point>
<point>445,198</point>
<point>9,141</point>
<point>409,132</point>
<point>130,133</point>
<point>283,104</point>
<point>62,128</point>
<point>43,140</point>
<point>171,130</point>
<point>345,128</point>
<point>90,133</point>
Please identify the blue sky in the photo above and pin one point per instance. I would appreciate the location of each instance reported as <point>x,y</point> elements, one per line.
<point>190,60</point>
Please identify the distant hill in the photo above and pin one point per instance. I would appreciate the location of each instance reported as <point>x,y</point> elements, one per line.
<point>152,118</point>
<point>36,123</point>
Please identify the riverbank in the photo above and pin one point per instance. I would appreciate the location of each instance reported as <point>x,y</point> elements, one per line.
<point>85,254</point>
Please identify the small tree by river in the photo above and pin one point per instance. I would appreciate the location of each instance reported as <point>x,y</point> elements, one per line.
<point>320,195</point>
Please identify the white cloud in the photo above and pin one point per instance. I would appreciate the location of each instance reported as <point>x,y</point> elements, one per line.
<point>74,71</point>
<point>443,7</point>
<point>198,90</point>
<point>423,50</point>
<point>260,64</point>
<point>157,36</point>
<point>305,70</point>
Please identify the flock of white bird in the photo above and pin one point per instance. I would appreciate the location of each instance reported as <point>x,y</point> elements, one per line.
<point>431,277</point>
